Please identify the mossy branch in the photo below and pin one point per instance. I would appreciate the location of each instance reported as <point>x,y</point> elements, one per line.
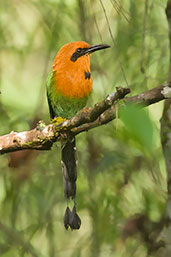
<point>43,136</point>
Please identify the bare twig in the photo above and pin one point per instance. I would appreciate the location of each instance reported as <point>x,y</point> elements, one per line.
<point>120,10</point>
<point>95,21</point>
<point>113,39</point>
<point>144,37</point>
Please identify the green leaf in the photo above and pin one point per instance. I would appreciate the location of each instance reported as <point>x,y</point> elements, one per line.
<point>138,125</point>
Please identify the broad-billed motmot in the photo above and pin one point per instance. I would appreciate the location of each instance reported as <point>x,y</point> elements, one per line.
<point>69,85</point>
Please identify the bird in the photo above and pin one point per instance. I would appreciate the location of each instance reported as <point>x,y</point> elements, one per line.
<point>69,85</point>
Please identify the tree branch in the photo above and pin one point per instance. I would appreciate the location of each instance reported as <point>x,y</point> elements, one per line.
<point>42,137</point>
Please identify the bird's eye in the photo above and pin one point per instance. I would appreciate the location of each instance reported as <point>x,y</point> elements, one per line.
<point>78,50</point>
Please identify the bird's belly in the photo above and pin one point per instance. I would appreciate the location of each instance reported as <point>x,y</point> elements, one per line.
<point>67,107</point>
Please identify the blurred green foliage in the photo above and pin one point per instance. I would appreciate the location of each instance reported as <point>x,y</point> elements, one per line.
<point>121,171</point>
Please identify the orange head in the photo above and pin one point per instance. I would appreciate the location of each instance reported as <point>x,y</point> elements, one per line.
<point>72,69</point>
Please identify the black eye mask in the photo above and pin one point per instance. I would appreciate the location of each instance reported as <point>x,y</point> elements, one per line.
<point>78,53</point>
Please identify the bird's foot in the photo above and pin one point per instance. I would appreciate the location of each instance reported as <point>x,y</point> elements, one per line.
<point>58,120</point>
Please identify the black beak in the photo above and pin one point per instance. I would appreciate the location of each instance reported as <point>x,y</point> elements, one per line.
<point>94,48</point>
<point>82,51</point>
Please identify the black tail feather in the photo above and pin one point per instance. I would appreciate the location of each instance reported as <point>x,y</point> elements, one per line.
<point>71,219</point>
<point>69,171</point>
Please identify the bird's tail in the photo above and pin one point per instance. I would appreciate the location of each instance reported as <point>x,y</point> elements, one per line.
<point>69,171</point>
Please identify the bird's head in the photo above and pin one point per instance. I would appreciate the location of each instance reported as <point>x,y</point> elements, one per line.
<point>75,52</point>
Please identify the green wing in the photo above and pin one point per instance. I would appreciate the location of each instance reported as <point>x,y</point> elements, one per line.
<point>49,97</point>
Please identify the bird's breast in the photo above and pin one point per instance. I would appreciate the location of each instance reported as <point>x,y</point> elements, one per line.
<point>77,85</point>
<point>74,81</point>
